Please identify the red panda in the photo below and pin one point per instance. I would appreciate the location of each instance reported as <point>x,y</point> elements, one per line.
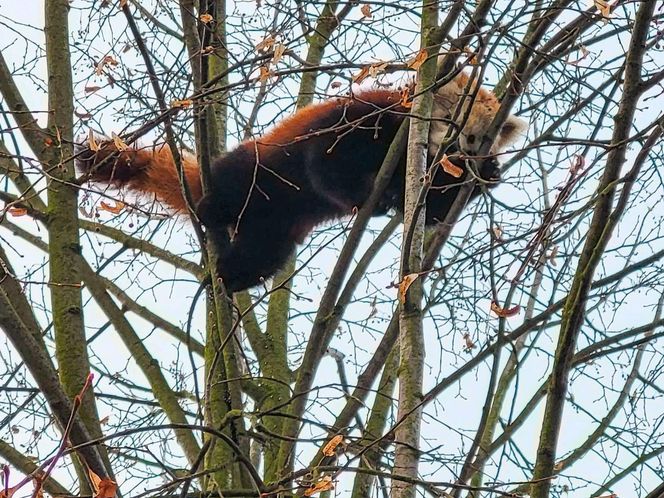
<point>313,166</point>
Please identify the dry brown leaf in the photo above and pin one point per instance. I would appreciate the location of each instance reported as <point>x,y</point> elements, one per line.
<point>418,60</point>
<point>604,9</point>
<point>16,212</point>
<point>374,311</point>
<point>92,143</point>
<point>115,209</point>
<point>552,256</point>
<point>376,69</point>
<point>9,492</point>
<point>108,60</point>
<point>504,313</point>
<point>102,488</point>
<point>366,11</point>
<point>92,89</point>
<point>184,104</point>
<point>119,143</point>
<point>469,344</point>
<point>577,165</point>
<point>83,116</point>
<point>266,44</point>
<point>206,18</point>
<point>450,168</point>
<point>497,232</point>
<point>328,449</point>
<point>325,484</point>
<point>107,488</point>
<point>265,74</point>
<point>405,99</point>
<point>123,3</point>
<point>85,211</point>
<point>39,490</point>
<point>405,284</point>
<point>584,53</point>
<point>104,420</point>
<point>279,50</point>
<point>95,480</point>
<point>335,84</point>
<point>362,75</point>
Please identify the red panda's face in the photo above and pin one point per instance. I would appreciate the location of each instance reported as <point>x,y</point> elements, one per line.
<point>470,138</point>
<point>483,106</point>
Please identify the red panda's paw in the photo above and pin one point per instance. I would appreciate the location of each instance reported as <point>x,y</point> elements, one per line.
<point>490,171</point>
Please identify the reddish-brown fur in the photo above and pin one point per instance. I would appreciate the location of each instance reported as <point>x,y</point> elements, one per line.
<point>315,165</point>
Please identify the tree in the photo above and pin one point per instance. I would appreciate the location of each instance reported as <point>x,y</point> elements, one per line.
<point>509,350</point>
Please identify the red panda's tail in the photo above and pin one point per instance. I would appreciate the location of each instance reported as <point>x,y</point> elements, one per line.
<point>144,170</point>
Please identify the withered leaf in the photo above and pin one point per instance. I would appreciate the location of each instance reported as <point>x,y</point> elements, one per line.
<point>584,54</point>
<point>361,76</point>
<point>577,165</point>
<point>115,209</point>
<point>92,143</point>
<point>184,104</point>
<point>16,211</point>
<point>405,99</point>
<point>325,484</point>
<point>418,60</point>
<point>469,343</point>
<point>9,492</point>
<point>108,60</point>
<point>83,116</point>
<point>279,50</point>
<point>265,74</point>
<point>405,284</point>
<point>39,490</point>
<point>328,449</point>
<point>376,69</point>
<point>450,168</point>
<point>497,232</point>
<point>119,143</point>
<point>604,9</point>
<point>504,313</point>
<point>102,487</point>
<point>265,44</point>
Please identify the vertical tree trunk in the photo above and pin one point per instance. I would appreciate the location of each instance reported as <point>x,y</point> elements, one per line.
<point>411,338</point>
<point>64,244</point>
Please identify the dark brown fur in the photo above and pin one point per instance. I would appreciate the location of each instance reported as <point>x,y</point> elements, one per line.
<point>317,165</point>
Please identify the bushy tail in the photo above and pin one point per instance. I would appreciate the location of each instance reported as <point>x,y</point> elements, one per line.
<point>143,170</point>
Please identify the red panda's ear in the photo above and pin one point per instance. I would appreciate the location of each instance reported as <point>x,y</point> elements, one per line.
<point>447,96</point>
<point>512,130</point>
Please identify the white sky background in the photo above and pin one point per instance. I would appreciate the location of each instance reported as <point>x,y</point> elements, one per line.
<point>153,284</point>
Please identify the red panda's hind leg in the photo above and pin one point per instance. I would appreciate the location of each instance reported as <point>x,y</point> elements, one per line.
<point>213,212</point>
<point>257,252</point>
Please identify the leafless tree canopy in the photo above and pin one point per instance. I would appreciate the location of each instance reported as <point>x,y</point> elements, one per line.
<point>511,350</point>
